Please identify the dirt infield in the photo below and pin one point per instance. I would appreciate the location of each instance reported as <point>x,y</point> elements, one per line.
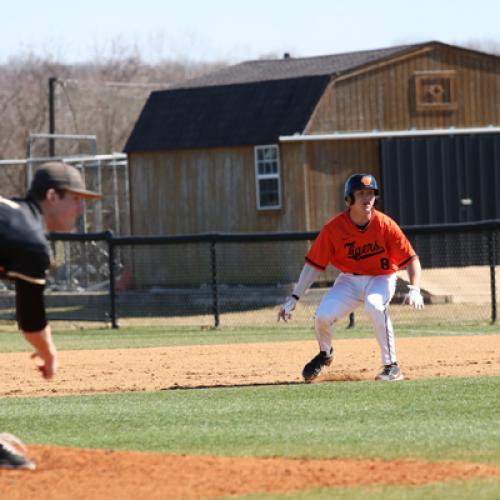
<point>153,369</point>
<point>100,474</point>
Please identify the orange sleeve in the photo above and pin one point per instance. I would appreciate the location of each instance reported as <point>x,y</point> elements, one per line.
<point>400,247</point>
<point>319,255</point>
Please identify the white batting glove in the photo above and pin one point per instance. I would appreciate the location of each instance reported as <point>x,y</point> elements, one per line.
<point>414,297</point>
<point>285,312</point>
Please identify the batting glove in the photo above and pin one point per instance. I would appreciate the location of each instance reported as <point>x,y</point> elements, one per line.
<point>285,312</point>
<point>414,297</point>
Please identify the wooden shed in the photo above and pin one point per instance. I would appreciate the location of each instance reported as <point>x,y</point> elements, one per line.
<point>266,145</point>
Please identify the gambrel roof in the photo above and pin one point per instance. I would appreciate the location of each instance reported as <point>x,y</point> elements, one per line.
<point>291,67</point>
<point>250,103</point>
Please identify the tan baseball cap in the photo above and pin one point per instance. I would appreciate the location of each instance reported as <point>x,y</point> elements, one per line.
<point>60,175</point>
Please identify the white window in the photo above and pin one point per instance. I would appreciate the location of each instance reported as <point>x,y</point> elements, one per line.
<point>267,177</point>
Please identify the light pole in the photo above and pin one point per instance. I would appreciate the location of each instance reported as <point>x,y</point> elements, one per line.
<point>52,117</point>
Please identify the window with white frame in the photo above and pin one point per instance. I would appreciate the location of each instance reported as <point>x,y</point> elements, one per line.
<point>267,177</point>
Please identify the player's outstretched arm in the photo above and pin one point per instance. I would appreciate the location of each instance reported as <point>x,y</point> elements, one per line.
<point>31,318</point>
<point>45,351</point>
<point>414,297</point>
<point>307,277</point>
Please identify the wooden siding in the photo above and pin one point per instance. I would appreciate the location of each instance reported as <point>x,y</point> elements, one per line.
<point>191,192</point>
<point>382,98</point>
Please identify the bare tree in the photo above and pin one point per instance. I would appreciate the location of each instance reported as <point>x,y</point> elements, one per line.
<point>103,98</point>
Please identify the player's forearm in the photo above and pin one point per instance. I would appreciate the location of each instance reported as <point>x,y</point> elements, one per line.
<point>414,272</point>
<point>42,342</point>
<point>307,277</point>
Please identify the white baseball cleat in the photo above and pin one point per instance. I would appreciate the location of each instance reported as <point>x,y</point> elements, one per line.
<point>390,372</point>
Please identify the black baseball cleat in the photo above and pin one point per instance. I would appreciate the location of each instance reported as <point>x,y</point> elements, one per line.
<point>11,454</point>
<point>313,368</point>
<point>390,372</point>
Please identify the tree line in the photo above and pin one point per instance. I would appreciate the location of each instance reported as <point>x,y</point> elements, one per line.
<point>103,99</point>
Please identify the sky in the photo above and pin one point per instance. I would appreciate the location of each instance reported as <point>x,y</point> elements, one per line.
<point>236,30</point>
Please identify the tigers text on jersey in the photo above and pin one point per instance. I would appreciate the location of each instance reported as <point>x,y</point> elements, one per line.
<point>379,248</point>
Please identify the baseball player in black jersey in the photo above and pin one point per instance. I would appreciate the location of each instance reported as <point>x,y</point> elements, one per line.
<point>53,204</point>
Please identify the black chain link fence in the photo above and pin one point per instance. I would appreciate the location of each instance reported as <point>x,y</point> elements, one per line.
<point>241,279</point>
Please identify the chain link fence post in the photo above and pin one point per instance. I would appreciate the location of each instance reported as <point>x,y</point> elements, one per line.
<point>112,280</point>
<point>215,287</point>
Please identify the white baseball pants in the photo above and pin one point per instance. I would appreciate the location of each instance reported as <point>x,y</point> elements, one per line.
<point>347,293</point>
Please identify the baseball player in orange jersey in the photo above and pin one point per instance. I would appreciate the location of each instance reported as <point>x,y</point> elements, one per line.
<point>367,247</point>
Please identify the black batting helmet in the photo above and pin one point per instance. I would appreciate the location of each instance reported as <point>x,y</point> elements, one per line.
<point>356,182</point>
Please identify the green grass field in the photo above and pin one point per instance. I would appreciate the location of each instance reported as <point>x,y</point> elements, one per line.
<point>158,336</point>
<point>438,419</point>
<point>459,490</point>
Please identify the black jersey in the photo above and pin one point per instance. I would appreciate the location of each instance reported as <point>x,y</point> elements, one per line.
<point>24,249</point>
<point>25,258</point>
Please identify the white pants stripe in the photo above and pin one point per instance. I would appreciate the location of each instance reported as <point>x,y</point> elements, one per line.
<point>349,292</point>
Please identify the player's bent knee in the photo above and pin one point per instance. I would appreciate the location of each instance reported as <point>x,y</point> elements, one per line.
<point>323,320</point>
<point>375,307</point>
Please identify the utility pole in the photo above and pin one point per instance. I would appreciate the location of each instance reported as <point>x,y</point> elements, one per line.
<point>52,117</point>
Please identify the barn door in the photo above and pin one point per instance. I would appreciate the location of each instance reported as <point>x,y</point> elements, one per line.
<point>441,179</point>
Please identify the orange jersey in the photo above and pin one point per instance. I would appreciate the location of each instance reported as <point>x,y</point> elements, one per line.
<point>379,248</point>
